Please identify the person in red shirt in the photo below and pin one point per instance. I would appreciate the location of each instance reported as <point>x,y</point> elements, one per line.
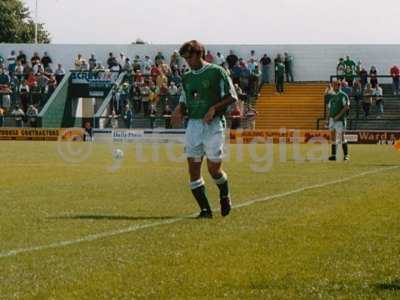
<point>209,57</point>
<point>395,73</point>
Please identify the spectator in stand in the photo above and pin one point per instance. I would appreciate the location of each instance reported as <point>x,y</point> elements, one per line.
<point>145,92</point>
<point>367,100</point>
<point>340,69</point>
<point>11,62</point>
<point>19,71</point>
<point>36,94</point>
<point>155,72</point>
<point>219,59</point>
<point>363,78</point>
<point>265,61</point>
<point>37,69</point>
<point>2,114</point>
<point>92,62</point>
<point>137,98</point>
<point>152,114</point>
<point>137,63</point>
<point>349,75</point>
<point>244,80</point>
<point>176,78</point>
<point>128,116</point>
<point>18,115</point>
<point>46,60</point>
<point>35,59</point>
<point>209,57</point>
<point>122,58</point>
<point>84,65</point>
<point>235,116</point>
<point>111,61</point>
<point>358,68</point>
<point>173,94</point>
<point>78,62</point>
<point>288,61</point>
<point>167,112</point>
<point>373,75</point>
<point>159,59</point>
<point>51,85</point>
<point>241,95</point>
<point>114,120</point>
<point>344,87</point>
<point>24,92</point>
<point>226,68</point>
<point>378,96</point>
<point>251,115</point>
<point>32,114</point>
<point>22,57</point>
<point>231,59</point>
<point>252,56</point>
<point>127,67</point>
<point>279,76</point>
<point>395,73</point>
<point>255,77</point>
<point>59,73</point>
<point>4,78</point>
<point>329,93</point>
<point>349,63</point>
<point>357,92</point>
<point>2,61</point>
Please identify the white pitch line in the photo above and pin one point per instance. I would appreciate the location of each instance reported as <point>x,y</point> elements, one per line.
<point>133,228</point>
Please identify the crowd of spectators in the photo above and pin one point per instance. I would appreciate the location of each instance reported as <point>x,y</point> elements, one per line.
<point>363,86</point>
<point>25,86</point>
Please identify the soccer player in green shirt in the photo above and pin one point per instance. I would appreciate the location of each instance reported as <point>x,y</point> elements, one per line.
<point>207,93</point>
<point>280,76</point>
<point>338,107</point>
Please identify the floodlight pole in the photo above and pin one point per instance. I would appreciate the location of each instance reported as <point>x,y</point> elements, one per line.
<point>36,21</point>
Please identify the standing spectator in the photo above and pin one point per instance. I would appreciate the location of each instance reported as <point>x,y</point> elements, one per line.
<point>51,85</point>
<point>349,63</point>
<point>2,113</point>
<point>255,81</point>
<point>344,87</point>
<point>244,80</point>
<point>378,96</point>
<point>92,62</point>
<point>128,116</point>
<point>32,114</point>
<point>11,62</point>
<point>219,59</point>
<point>349,75</point>
<point>19,71</point>
<point>24,90</point>
<point>127,67</point>
<point>18,114</point>
<point>367,100</point>
<point>358,68</point>
<point>114,120</point>
<point>35,59</point>
<point>167,116</point>
<point>395,73</point>
<point>373,77</point>
<point>265,61</point>
<point>236,116</point>
<point>251,115</point>
<point>147,62</point>
<point>122,58</point>
<point>363,78</point>
<point>36,94</point>
<point>252,56</point>
<point>60,73</point>
<point>159,59</point>
<point>288,61</point>
<point>231,59</point>
<point>279,76</point>
<point>209,57</point>
<point>22,57</point>
<point>357,92</point>
<point>173,94</point>
<point>46,60</point>
<point>78,62</point>
<point>111,61</point>
<point>340,68</point>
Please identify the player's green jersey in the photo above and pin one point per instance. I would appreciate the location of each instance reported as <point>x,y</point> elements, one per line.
<point>349,63</point>
<point>337,103</point>
<point>205,87</point>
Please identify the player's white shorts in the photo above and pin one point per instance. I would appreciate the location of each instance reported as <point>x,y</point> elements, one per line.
<point>339,127</point>
<point>205,139</point>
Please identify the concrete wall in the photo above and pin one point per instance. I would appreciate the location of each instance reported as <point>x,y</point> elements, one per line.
<point>311,62</point>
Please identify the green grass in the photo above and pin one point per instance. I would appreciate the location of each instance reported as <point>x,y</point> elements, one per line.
<point>340,241</point>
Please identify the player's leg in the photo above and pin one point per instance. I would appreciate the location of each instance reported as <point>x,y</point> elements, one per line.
<point>214,149</point>
<point>195,152</point>
<point>344,143</point>
<point>333,140</point>
<point>198,188</point>
<point>221,180</point>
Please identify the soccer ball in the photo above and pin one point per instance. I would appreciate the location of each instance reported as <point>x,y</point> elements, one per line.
<point>117,154</point>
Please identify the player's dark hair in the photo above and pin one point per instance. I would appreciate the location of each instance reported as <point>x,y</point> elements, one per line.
<point>192,47</point>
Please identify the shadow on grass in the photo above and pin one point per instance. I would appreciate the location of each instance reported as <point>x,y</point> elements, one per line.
<point>117,217</point>
<point>391,286</point>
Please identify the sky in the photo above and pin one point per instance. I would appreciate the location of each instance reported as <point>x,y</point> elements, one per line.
<point>221,21</point>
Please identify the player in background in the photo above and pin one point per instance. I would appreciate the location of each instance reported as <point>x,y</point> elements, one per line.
<point>338,107</point>
<point>207,93</point>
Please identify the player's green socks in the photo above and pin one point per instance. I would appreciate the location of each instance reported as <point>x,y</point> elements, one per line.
<point>199,193</point>
<point>345,149</point>
<point>334,148</point>
<point>222,184</point>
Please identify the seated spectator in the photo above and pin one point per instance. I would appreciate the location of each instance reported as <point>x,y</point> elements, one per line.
<point>167,112</point>
<point>46,60</point>
<point>22,57</point>
<point>114,120</point>
<point>18,115</point>
<point>32,114</point>
<point>159,59</point>
<point>84,65</point>
<point>59,73</point>
<point>367,100</point>
<point>136,97</point>
<point>145,93</point>
<point>11,62</point>
<point>128,116</point>
<point>19,70</point>
<point>92,61</point>
<point>373,74</point>
<point>51,85</point>
<point>378,96</point>
<point>345,88</point>
<point>24,92</point>
<point>357,92</point>
<point>111,61</point>
<point>35,59</point>
<point>37,69</point>
<point>4,78</point>
<point>395,73</point>
<point>127,67</point>
<point>88,134</point>
<point>175,60</point>
<point>173,94</point>
<point>36,95</point>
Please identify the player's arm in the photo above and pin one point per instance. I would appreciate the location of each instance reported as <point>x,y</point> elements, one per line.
<point>345,109</point>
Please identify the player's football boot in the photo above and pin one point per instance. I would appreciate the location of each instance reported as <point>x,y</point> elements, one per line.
<point>225,206</point>
<point>332,158</point>
<point>205,214</point>
<point>346,157</point>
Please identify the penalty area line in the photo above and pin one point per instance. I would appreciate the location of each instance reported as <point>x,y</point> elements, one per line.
<point>94,237</point>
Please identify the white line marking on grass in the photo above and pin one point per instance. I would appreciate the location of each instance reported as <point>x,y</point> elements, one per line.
<point>133,228</point>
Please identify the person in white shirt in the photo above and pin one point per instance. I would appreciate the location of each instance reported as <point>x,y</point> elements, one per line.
<point>378,96</point>
<point>219,59</point>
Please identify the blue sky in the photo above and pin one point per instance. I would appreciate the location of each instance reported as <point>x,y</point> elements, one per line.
<point>221,21</point>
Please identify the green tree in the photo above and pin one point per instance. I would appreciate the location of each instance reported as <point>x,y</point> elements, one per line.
<point>17,26</point>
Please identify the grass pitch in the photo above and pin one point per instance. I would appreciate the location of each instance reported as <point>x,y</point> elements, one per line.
<point>100,229</point>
